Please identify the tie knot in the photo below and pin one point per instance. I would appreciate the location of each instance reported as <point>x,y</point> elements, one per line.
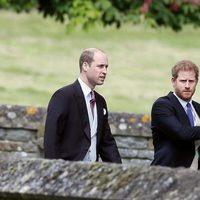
<point>188,105</point>
<point>92,100</point>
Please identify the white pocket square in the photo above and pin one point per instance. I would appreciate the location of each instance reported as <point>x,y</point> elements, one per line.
<point>104,111</point>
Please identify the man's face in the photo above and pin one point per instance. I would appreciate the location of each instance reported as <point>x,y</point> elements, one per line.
<point>96,72</point>
<point>185,85</point>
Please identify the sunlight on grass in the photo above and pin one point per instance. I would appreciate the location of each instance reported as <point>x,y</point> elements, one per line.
<point>38,57</point>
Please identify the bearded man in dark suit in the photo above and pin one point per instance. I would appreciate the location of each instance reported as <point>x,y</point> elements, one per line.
<point>77,127</point>
<point>176,120</point>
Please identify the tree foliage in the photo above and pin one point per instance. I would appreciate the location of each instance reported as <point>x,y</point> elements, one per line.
<point>86,13</point>
<point>19,5</point>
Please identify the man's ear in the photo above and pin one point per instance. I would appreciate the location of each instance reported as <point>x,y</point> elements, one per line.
<point>85,66</point>
<point>173,80</point>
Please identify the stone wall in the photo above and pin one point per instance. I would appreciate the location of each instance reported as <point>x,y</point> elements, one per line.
<point>42,179</point>
<point>22,128</point>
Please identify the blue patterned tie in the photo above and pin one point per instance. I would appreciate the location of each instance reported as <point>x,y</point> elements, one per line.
<point>189,114</point>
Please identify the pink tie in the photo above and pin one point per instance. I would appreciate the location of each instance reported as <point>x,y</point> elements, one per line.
<point>92,102</point>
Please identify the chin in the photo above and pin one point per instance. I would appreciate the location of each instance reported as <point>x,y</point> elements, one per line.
<point>186,98</point>
<point>100,83</point>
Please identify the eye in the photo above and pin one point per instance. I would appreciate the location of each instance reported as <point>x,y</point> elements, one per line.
<point>183,81</point>
<point>102,66</point>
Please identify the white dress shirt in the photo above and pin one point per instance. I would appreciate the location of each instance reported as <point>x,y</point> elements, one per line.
<point>91,155</point>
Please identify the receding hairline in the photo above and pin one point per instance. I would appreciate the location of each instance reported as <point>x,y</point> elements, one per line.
<point>94,50</point>
<point>88,56</point>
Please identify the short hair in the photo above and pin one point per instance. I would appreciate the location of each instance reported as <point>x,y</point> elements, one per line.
<point>185,65</point>
<point>88,56</point>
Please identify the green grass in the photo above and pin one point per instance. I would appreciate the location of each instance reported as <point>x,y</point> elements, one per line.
<point>37,57</point>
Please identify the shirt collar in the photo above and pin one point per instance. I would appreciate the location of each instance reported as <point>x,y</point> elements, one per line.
<point>86,90</point>
<point>182,102</point>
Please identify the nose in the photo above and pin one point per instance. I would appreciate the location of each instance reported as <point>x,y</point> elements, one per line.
<point>187,84</point>
<point>105,70</point>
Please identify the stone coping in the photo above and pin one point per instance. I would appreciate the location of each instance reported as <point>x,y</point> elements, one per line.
<point>57,179</point>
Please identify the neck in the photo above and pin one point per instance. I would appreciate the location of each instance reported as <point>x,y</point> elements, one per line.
<point>85,80</point>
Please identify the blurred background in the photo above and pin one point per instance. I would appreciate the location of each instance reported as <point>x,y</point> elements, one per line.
<point>38,55</point>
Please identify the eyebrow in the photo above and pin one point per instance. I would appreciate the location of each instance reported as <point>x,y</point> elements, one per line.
<point>183,79</point>
<point>102,65</point>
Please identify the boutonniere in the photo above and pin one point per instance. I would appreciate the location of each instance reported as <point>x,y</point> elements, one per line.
<point>104,111</point>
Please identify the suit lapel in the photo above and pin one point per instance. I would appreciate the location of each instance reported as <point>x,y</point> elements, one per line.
<point>99,116</point>
<point>196,107</point>
<point>179,109</point>
<point>79,96</point>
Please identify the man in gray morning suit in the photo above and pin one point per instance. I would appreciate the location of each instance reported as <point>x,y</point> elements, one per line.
<point>176,120</point>
<point>77,126</point>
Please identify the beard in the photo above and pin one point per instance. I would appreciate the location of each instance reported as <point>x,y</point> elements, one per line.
<point>185,95</point>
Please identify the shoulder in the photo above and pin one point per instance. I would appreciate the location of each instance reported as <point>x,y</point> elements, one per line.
<point>68,89</point>
<point>63,93</point>
<point>63,90</point>
<point>162,100</point>
<point>165,104</point>
<point>169,98</point>
<point>196,104</point>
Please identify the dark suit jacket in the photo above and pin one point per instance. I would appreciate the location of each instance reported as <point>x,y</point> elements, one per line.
<point>67,129</point>
<point>173,137</point>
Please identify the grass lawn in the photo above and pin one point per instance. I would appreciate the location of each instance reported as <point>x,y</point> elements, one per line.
<point>37,57</point>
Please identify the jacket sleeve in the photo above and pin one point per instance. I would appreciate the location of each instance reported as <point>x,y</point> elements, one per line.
<point>165,119</point>
<point>108,147</point>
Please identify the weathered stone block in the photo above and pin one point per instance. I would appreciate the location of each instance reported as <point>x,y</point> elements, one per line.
<point>13,155</point>
<point>27,117</point>
<point>130,124</point>
<point>128,153</point>
<point>131,142</point>
<point>2,134</point>
<point>136,162</point>
<point>9,146</point>
<point>14,146</point>
<point>30,147</point>
<point>20,135</point>
<point>136,153</point>
<point>57,179</point>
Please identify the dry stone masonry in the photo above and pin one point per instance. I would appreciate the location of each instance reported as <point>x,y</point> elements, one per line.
<point>22,129</point>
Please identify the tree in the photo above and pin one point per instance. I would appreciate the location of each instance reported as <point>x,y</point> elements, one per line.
<point>86,13</point>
